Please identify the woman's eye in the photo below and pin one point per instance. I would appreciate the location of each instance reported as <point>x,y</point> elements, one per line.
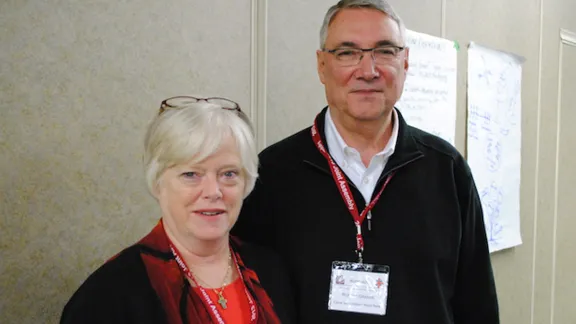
<point>189,174</point>
<point>231,174</point>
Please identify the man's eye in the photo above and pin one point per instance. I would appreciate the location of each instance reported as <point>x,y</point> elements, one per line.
<point>385,51</point>
<point>346,53</point>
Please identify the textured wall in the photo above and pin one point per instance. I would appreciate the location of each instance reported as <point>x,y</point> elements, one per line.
<point>79,81</point>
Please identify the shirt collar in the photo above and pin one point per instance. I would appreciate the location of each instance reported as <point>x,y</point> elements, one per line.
<point>337,147</point>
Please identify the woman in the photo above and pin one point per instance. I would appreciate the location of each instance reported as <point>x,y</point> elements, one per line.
<point>201,162</point>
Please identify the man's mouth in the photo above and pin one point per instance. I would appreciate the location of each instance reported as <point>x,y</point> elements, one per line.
<point>366,90</point>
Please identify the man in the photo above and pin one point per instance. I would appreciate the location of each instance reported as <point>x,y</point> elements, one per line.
<point>378,221</point>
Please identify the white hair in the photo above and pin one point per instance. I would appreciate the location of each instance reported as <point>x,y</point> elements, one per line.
<point>380,5</point>
<point>192,133</point>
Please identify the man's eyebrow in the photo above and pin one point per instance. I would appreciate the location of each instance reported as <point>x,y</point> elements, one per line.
<point>385,43</point>
<point>347,44</point>
<point>378,44</point>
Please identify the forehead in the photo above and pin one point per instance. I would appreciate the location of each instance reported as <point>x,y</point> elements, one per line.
<point>225,154</point>
<point>228,153</point>
<point>364,27</point>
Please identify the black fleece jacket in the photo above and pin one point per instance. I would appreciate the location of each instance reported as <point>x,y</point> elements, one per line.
<point>427,227</point>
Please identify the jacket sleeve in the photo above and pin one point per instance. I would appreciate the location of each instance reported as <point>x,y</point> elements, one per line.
<point>118,292</point>
<point>91,306</point>
<point>475,300</point>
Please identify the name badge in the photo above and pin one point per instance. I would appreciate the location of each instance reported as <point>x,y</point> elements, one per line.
<point>359,288</point>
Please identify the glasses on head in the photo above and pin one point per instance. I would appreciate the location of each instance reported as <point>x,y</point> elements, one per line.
<point>185,101</point>
<point>349,56</point>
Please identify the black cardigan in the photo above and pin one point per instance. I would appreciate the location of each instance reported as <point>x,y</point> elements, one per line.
<point>119,292</point>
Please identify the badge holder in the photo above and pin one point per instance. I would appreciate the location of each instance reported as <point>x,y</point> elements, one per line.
<point>359,288</point>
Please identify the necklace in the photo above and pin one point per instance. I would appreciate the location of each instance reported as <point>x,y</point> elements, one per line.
<point>221,300</point>
<point>204,294</point>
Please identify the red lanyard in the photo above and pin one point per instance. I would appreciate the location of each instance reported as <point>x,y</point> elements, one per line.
<point>207,299</point>
<point>344,189</point>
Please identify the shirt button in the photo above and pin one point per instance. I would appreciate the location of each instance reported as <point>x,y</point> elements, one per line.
<point>345,164</point>
<point>366,180</point>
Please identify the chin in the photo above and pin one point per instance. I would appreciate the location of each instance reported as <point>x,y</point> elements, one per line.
<point>212,234</point>
<point>368,113</point>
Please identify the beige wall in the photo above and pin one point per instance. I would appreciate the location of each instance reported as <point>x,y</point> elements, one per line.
<point>79,81</point>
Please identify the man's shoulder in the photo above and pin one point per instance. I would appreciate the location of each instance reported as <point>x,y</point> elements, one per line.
<point>439,149</point>
<point>434,144</point>
<point>256,252</point>
<point>291,146</point>
<point>268,264</point>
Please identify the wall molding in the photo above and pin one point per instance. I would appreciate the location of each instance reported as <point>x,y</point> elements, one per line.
<point>567,37</point>
<point>537,165</point>
<point>258,69</point>
<point>443,18</point>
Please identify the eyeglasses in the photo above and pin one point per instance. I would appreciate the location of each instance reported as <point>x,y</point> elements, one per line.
<point>349,56</point>
<point>185,101</point>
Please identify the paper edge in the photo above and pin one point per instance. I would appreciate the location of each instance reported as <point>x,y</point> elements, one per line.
<point>476,46</point>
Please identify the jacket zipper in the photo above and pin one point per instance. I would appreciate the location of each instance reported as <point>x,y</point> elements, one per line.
<point>369,216</point>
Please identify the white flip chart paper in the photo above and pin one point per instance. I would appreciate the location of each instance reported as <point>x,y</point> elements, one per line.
<point>494,140</point>
<point>429,98</point>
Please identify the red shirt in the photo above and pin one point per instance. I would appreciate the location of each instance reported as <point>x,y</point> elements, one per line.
<point>238,308</point>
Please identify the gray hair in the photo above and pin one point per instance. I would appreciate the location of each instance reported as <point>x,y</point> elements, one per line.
<point>380,5</point>
<point>193,133</point>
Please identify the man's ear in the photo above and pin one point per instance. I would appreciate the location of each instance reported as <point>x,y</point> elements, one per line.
<point>406,57</point>
<point>321,64</point>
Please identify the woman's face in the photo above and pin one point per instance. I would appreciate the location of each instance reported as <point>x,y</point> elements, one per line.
<point>201,202</point>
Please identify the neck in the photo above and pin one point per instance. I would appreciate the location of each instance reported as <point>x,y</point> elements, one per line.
<point>209,262</point>
<point>368,137</point>
<point>198,252</point>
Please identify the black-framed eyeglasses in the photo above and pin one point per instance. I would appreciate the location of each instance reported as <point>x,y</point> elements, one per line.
<point>179,102</point>
<point>349,56</point>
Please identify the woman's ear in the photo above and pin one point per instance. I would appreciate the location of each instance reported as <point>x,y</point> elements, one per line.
<point>156,188</point>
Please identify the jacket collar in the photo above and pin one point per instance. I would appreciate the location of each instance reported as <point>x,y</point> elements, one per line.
<point>406,150</point>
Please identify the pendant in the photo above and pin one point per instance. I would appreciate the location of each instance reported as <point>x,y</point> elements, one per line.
<point>222,301</point>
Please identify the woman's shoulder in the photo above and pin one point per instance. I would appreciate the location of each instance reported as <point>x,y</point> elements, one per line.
<point>120,271</point>
<point>110,292</point>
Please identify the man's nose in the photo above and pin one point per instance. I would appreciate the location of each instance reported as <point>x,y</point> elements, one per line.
<point>367,67</point>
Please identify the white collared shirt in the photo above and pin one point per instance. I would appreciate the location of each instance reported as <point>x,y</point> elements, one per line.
<point>349,160</point>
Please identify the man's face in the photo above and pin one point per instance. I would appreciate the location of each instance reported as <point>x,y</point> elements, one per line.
<point>366,91</point>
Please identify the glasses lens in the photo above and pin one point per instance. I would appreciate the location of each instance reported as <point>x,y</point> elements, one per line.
<point>185,101</point>
<point>347,56</point>
<point>180,101</point>
<point>383,55</point>
<point>224,103</point>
